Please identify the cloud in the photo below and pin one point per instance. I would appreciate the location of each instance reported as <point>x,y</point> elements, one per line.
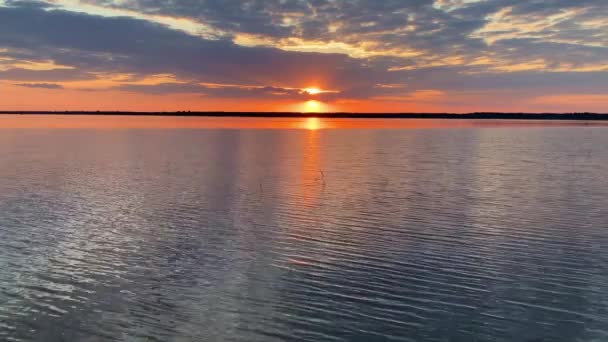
<point>40,85</point>
<point>28,4</point>
<point>98,44</point>
<point>227,91</point>
<point>262,48</point>
<point>429,31</point>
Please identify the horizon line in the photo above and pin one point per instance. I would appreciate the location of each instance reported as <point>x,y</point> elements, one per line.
<point>587,116</point>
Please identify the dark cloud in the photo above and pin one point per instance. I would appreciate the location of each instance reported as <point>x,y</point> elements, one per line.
<point>126,45</point>
<point>419,25</point>
<point>227,92</point>
<point>40,85</point>
<point>56,75</point>
<point>28,4</point>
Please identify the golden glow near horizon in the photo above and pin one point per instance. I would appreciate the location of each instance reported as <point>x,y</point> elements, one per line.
<point>313,106</point>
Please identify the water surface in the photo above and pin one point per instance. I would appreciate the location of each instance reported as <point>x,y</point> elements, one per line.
<point>406,231</point>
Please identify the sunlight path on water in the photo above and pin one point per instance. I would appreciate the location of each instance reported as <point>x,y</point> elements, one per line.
<point>167,122</point>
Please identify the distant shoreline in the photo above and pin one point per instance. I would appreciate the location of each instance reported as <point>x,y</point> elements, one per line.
<point>476,115</point>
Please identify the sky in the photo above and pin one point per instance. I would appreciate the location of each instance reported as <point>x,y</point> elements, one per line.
<point>305,55</point>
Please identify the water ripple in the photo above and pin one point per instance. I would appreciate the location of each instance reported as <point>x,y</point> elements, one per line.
<point>469,234</point>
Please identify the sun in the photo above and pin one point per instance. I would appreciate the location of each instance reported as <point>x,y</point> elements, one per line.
<point>313,106</point>
<point>312,91</point>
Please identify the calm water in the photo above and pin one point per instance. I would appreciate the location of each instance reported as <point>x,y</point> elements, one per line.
<point>422,233</point>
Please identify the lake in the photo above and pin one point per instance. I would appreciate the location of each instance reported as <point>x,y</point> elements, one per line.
<point>201,229</point>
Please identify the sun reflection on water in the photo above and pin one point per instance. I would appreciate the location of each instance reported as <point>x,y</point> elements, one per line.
<point>312,124</point>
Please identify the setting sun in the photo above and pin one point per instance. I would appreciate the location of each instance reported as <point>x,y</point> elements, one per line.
<point>313,106</point>
<point>313,91</point>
